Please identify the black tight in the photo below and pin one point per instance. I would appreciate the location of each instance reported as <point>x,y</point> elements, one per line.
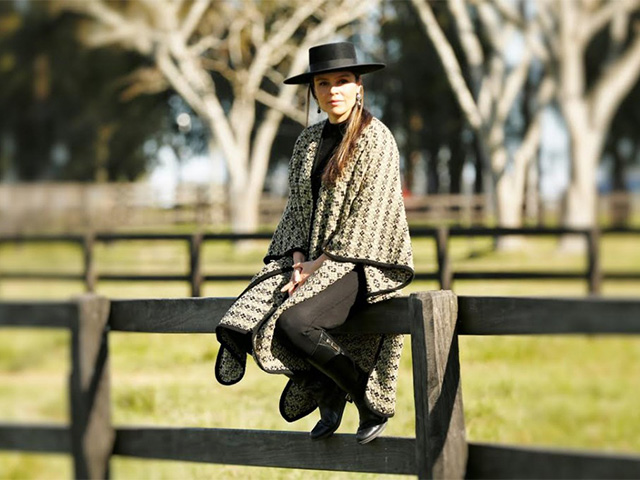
<point>301,325</point>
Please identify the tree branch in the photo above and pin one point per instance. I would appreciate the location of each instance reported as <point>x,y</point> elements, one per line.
<point>513,86</point>
<point>277,40</point>
<point>614,85</point>
<point>510,14</point>
<point>191,21</point>
<point>204,44</point>
<point>277,103</point>
<point>605,14</point>
<point>469,41</point>
<point>121,30</point>
<point>450,64</point>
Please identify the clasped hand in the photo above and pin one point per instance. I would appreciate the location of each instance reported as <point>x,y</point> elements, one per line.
<point>301,271</point>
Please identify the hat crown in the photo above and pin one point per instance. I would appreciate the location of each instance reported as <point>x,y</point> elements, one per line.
<point>332,57</point>
<point>339,52</point>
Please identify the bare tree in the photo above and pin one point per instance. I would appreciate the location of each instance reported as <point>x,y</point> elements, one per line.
<point>568,28</point>
<point>493,87</point>
<point>253,46</point>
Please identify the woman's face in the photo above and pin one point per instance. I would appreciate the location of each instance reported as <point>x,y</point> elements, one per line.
<point>336,93</point>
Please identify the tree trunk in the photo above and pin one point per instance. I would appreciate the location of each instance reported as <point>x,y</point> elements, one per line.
<point>244,213</point>
<point>582,192</point>
<point>456,163</point>
<point>581,197</point>
<point>509,197</point>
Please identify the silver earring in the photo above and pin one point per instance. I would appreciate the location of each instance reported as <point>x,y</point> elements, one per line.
<point>359,99</point>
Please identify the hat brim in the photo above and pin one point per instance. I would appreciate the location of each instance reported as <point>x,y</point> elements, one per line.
<point>358,68</point>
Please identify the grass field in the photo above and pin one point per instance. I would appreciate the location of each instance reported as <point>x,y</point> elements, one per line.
<point>576,391</point>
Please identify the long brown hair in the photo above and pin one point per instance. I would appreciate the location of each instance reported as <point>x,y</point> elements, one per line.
<point>358,120</point>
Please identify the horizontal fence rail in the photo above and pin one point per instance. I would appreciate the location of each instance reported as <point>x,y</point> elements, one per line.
<point>438,450</point>
<point>120,204</point>
<point>445,273</point>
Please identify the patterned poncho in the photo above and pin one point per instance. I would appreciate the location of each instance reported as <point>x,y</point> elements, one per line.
<point>359,220</point>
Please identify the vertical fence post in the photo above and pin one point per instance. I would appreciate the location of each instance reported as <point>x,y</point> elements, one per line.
<point>92,434</point>
<point>88,242</point>
<point>594,271</point>
<point>195,244</point>
<point>441,447</point>
<point>445,276</point>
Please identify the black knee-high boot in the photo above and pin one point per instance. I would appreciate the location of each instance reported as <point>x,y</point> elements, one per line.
<point>330,398</point>
<point>334,362</point>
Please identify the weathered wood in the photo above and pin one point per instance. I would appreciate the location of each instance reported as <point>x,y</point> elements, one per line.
<point>201,315</point>
<point>40,276</point>
<point>268,449</point>
<point>632,276</point>
<point>238,236</point>
<point>37,314</point>
<point>195,245</point>
<point>35,438</point>
<point>521,275</point>
<point>426,276</point>
<point>114,237</point>
<point>594,271</point>
<point>509,462</point>
<point>37,238</point>
<point>228,278</point>
<point>536,316</point>
<point>92,435</point>
<point>88,263</point>
<point>504,231</point>
<point>445,276</point>
<point>179,315</point>
<point>142,278</point>
<point>441,449</point>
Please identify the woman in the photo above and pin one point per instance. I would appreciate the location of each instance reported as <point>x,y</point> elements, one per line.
<point>342,243</point>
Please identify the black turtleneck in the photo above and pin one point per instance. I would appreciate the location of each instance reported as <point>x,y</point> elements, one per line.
<point>329,140</point>
<point>331,137</point>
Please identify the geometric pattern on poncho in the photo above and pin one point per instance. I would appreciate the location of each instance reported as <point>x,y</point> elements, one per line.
<point>360,219</point>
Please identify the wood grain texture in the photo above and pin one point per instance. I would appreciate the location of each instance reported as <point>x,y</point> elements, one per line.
<point>440,428</point>
<point>419,343</point>
<point>202,315</point>
<point>35,438</point>
<point>92,435</point>
<point>268,449</point>
<point>195,267</point>
<point>511,462</point>
<point>526,315</point>
<point>37,314</point>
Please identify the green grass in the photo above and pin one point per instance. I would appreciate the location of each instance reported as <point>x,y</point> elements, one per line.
<point>575,392</point>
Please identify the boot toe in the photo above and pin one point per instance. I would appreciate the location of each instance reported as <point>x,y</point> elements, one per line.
<point>323,430</point>
<point>370,430</point>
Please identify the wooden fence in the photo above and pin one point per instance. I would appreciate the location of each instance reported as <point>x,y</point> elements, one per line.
<point>433,319</point>
<point>108,206</point>
<point>445,272</point>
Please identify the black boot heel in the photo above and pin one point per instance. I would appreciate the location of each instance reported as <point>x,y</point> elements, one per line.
<point>371,426</point>
<point>331,402</point>
<point>334,362</point>
<point>330,398</point>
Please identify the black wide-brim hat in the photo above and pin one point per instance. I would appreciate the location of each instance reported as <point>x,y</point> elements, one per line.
<point>333,57</point>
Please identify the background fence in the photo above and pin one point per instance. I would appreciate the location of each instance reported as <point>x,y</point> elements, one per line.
<point>433,319</point>
<point>109,206</point>
<point>445,273</point>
